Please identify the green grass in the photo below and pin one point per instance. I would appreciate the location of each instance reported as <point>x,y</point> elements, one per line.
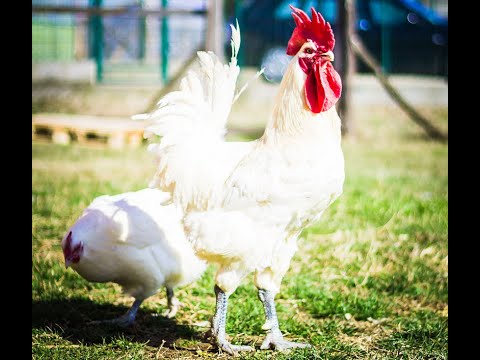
<point>369,280</point>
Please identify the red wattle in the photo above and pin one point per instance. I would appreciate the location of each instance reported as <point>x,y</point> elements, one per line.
<point>323,86</point>
<point>314,93</point>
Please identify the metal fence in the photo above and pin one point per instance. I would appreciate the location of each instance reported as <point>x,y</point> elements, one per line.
<point>127,41</point>
<point>148,41</point>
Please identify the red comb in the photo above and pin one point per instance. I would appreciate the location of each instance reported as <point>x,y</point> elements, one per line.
<point>316,29</point>
<point>68,240</point>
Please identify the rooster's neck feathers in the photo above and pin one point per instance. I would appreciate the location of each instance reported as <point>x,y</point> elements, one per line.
<point>292,117</point>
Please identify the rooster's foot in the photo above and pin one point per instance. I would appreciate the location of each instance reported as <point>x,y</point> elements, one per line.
<point>277,342</point>
<point>233,349</point>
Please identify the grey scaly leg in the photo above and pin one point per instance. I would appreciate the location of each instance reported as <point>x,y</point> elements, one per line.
<point>125,320</point>
<point>274,339</point>
<point>218,325</point>
<point>173,304</point>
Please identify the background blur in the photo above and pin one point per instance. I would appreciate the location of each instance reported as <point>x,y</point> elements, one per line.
<point>116,62</point>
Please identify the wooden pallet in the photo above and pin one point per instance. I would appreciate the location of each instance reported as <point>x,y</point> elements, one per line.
<point>65,128</point>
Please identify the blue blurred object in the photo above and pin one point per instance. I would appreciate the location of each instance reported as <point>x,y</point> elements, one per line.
<point>404,36</point>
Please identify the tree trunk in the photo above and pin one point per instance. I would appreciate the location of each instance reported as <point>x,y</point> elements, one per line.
<point>345,60</point>
<point>370,61</point>
<point>215,36</point>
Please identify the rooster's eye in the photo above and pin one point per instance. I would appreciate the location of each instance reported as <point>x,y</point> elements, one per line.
<point>309,51</point>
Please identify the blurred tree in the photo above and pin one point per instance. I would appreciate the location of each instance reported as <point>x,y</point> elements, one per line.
<point>344,59</point>
<point>215,34</point>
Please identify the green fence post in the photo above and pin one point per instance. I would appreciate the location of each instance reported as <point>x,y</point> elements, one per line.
<point>385,34</point>
<point>386,49</point>
<point>142,30</point>
<point>165,46</point>
<point>97,38</point>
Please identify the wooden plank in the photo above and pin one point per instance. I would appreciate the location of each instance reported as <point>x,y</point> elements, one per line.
<point>135,139</point>
<point>118,131</point>
<point>60,136</point>
<point>117,140</point>
<point>88,122</point>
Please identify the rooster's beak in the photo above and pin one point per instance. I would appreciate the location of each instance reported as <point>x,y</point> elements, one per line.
<point>328,55</point>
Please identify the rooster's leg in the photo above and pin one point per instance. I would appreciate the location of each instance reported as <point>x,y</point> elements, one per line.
<point>274,339</point>
<point>218,325</point>
<point>173,304</point>
<point>125,320</point>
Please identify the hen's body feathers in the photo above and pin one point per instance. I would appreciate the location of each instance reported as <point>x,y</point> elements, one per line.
<point>134,241</point>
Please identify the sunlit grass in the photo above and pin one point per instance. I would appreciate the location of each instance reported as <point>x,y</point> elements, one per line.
<point>370,279</point>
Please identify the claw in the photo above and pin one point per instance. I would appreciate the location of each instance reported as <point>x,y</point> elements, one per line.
<point>276,342</point>
<point>173,304</point>
<point>218,326</point>
<point>125,320</point>
<point>234,349</point>
<point>274,339</point>
<point>171,311</point>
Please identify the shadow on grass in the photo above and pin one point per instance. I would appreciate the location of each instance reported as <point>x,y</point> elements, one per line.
<point>70,318</point>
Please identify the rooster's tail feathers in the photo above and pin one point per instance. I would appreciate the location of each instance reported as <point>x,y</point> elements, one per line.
<point>203,102</point>
<point>191,122</point>
<point>235,43</point>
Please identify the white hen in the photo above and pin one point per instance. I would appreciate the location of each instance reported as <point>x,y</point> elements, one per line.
<point>133,240</point>
<point>246,203</point>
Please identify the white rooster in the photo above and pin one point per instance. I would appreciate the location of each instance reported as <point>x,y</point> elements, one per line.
<point>133,240</point>
<point>246,203</point>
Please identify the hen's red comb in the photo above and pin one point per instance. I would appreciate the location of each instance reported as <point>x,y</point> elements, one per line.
<point>68,240</point>
<point>317,30</point>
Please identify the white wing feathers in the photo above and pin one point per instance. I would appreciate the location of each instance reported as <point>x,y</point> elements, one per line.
<point>192,157</point>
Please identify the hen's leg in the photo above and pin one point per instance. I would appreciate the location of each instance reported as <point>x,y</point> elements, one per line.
<point>274,339</point>
<point>218,325</point>
<point>125,320</point>
<point>173,304</point>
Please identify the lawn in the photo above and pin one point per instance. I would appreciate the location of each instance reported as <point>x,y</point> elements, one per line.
<point>370,279</point>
